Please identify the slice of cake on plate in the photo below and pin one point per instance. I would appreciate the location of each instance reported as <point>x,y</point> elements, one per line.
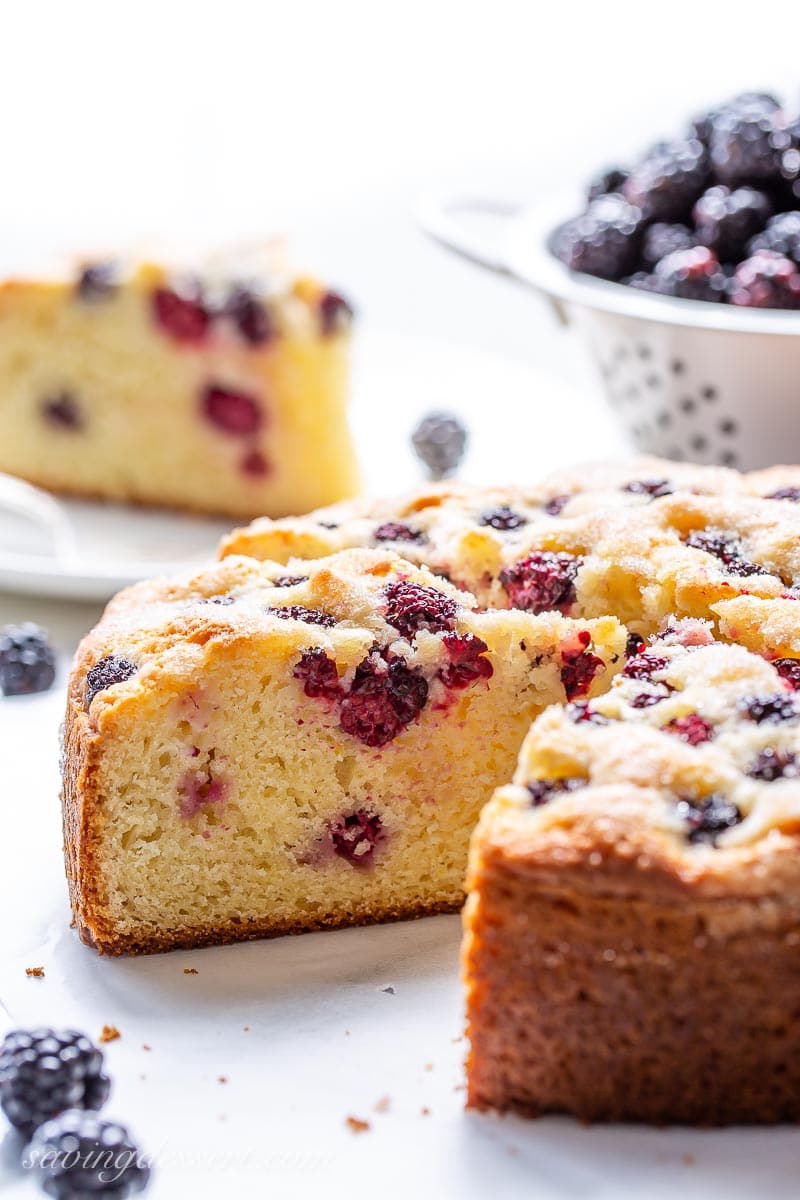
<point>633,922</point>
<point>220,393</point>
<point>258,750</point>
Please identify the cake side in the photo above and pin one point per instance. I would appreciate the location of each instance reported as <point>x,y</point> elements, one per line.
<point>214,396</point>
<point>250,752</point>
<point>633,916</point>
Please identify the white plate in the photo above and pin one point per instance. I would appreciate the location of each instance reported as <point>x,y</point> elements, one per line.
<point>521,423</point>
<point>325,1040</point>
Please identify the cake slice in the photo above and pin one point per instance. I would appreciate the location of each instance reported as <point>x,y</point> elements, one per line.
<point>261,749</point>
<point>635,541</point>
<point>221,394</point>
<point>633,920</point>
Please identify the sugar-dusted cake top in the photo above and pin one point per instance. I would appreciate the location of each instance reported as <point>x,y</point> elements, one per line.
<point>689,762</point>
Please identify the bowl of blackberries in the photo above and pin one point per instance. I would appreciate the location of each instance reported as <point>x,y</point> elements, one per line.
<point>682,270</point>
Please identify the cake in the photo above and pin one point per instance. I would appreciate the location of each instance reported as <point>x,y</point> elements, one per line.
<point>639,540</point>
<point>261,749</point>
<point>220,393</point>
<point>633,920</point>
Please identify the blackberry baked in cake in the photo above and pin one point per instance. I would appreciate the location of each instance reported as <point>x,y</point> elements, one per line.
<point>220,392</point>
<point>633,917</point>
<point>639,540</point>
<point>262,749</point>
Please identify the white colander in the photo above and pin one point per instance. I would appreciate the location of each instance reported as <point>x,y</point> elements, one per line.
<point>689,380</point>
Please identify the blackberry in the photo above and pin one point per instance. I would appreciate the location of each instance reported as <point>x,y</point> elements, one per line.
<point>556,504</point>
<point>644,281</point>
<point>579,666</point>
<point>44,1071</point>
<point>319,675</point>
<point>692,729</point>
<point>410,607</point>
<point>250,316</point>
<point>77,1155</point>
<point>580,712</point>
<point>105,673</point>
<point>440,441</point>
<point>289,580</point>
<point>780,234</point>
<point>725,220</point>
<point>298,612</point>
<point>789,671</point>
<point>703,125</point>
<point>234,412</point>
<point>745,143</point>
<point>634,645</point>
<point>542,790</point>
<point>769,765</point>
<point>384,697</point>
<point>649,487</point>
<point>62,411</point>
<point>785,493</point>
<point>467,663</point>
<point>27,660</point>
<point>610,180</point>
<point>692,275</point>
<point>97,281</point>
<point>183,315</point>
<point>662,239</point>
<point>335,314</point>
<point>708,818</point>
<point>355,837</point>
<point>769,710</point>
<point>603,241</point>
<point>503,519</point>
<point>668,180</point>
<point>395,531</point>
<point>648,699</point>
<point>766,280</point>
<point>542,581</point>
<point>643,665</point>
<point>725,547</point>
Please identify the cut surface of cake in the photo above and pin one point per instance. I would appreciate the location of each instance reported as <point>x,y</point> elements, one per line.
<point>640,540</point>
<point>633,919</point>
<point>222,394</point>
<point>257,749</point>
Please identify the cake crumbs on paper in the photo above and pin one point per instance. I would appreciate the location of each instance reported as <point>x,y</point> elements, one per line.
<point>109,1033</point>
<point>190,971</point>
<point>222,1079</point>
<point>356,1125</point>
<point>383,1105</point>
<point>34,972</point>
<point>688,1160</point>
<point>425,1111</point>
<point>146,1047</point>
<point>389,990</point>
<point>245,1029</point>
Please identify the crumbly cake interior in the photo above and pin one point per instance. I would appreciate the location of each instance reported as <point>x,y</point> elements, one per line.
<point>257,751</point>
<point>149,386</point>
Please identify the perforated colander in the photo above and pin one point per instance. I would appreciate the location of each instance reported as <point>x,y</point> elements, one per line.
<point>689,380</point>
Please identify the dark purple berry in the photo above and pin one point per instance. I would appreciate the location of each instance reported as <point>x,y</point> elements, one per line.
<point>727,548</point>
<point>298,612</point>
<point>666,183</point>
<point>63,412</point>
<point>708,818</point>
<point>106,673</point>
<point>289,580</point>
<point>77,1156</point>
<point>27,660</point>
<point>503,519</point>
<point>355,837</point>
<point>644,281</point>
<point>440,441</point>
<point>233,412</point>
<point>634,645</point>
<point>744,144</point>
<point>785,493</point>
<point>603,241</point>
<point>769,765</point>
<point>44,1071</point>
<point>766,280</point>
<point>648,699</point>
<point>770,710</point>
<point>98,281</point>
<point>789,671</point>
<point>335,314</point>
<point>610,180</point>
<point>649,487</point>
<point>662,239</point>
<point>318,674</point>
<point>781,235</point>
<point>183,316</point>
<point>250,315</point>
<point>644,665</point>
<point>410,607</point>
<point>384,697</point>
<point>692,275</point>
<point>542,581</point>
<point>556,504</point>
<point>542,790</point>
<point>692,729</point>
<point>580,712</point>
<point>725,220</point>
<point>579,666</point>
<point>395,531</point>
<point>467,663</point>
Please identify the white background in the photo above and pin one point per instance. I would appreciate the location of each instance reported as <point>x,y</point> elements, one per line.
<point>327,120</point>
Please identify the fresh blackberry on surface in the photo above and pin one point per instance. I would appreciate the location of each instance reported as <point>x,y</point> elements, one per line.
<point>703,125</point>
<point>666,183</point>
<point>78,1155</point>
<point>605,182</point>
<point>662,239</point>
<point>745,145</point>
<point>692,275</point>
<point>439,441</point>
<point>603,241</point>
<point>725,220</point>
<point>766,280</point>
<point>27,660</point>
<point>644,281</point>
<point>44,1071</point>
<point>781,234</point>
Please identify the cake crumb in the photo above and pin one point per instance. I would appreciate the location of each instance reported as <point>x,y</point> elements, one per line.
<point>383,1105</point>
<point>35,972</point>
<point>190,971</point>
<point>428,1066</point>
<point>688,1160</point>
<point>389,990</point>
<point>109,1033</point>
<point>146,1047</point>
<point>245,1028</point>
<point>356,1125</point>
<point>222,1079</point>
<point>425,1111</point>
